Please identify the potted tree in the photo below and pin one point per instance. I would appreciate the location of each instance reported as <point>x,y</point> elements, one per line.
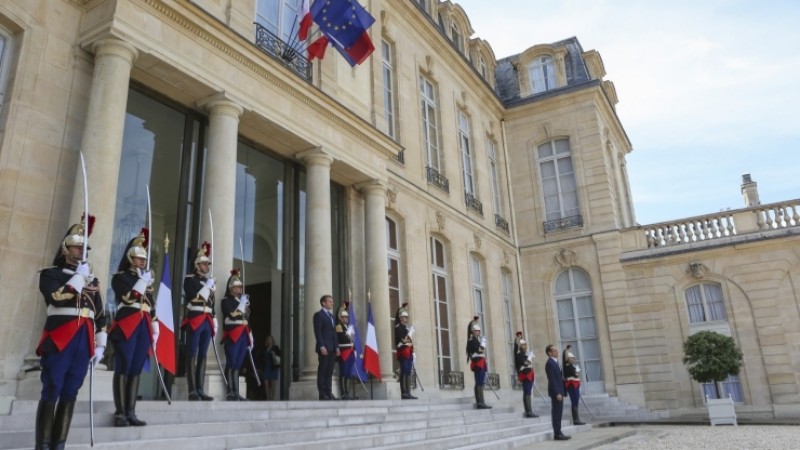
<point>711,357</point>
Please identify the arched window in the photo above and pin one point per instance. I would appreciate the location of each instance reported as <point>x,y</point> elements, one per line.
<point>543,76</point>
<point>577,325</point>
<point>705,303</point>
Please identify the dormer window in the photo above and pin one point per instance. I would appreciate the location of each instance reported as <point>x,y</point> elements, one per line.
<point>482,67</point>
<point>455,35</point>
<point>543,76</point>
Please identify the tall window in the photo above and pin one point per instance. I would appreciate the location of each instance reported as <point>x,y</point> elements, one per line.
<point>505,280</point>
<point>466,154</point>
<point>393,264</point>
<point>497,204</point>
<point>430,124</point>
<point>730,387</point>
<point>441,305</point>
<point>543,76</point>
<point>478,290</point>
<point>281,18</point>
<point>424,5</point>
<point>558,180</point>
<point>455,35</point>
<point>482,67</point>
<point>705,303</point>
<point>5,62</point>
<point>389,112</point>
<point>577,325</point>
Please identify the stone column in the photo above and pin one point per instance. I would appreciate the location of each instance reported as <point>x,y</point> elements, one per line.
<point>219,196</point>
<point>219,192</point>
<point>319,260</point>
<point>377,272</point>
<point>102,145</point>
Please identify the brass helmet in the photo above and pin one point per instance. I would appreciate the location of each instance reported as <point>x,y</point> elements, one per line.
<point>203,254</point>
<point>137,247</point>
<point>343,310</point>
<point>473,325</point>
<point>402,311</point>
<point>236,278</point>
<point>74,236</point>
<point>518,341</point>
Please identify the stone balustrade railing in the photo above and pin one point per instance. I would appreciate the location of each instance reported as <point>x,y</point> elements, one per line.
<point>720,225</point>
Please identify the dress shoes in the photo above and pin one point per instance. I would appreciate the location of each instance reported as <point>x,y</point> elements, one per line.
<point>562,437</point>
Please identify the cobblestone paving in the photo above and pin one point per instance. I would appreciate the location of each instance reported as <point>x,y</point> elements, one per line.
<point>745,437</point>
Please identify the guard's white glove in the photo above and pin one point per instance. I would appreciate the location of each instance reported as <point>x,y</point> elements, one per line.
<point>531,356</point>
<point>411,332</point>
<point>350,331</point>
<point>144,281</point>
<point>414,357</point>
<point>244,300</point>
<point>100,341</point>
<point>484,342</point>
<point>154,325</point>
<point>252,341</point>
<point>85,271</point>
<point>216,326</point>
<point>76,282</point>
<point>211,284</point>
<point>577,370</point>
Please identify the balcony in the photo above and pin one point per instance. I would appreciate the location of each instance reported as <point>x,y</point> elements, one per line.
<point>451,380</point>
<point>283,52</point>
<point>473,203</point>
<point>563,223</point>
<point>501,223</point>
<point>437,179</point>
<point>713,230</point>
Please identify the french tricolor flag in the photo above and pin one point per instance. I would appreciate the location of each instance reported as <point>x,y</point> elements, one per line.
<point>165,347</point>
<point>372,363</point>
<point>305,21</point>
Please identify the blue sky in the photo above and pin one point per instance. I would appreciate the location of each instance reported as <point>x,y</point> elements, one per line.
<point>708,90</point>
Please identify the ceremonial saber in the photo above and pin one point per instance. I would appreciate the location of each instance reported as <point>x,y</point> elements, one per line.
<point>84,256</point>
<point>147,268</point>
<point>252,344</point>
<point>214,342</point>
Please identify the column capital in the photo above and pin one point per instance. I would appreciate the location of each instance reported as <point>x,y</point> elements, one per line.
<point>315,157</point>
<point>221,104</point>
<point>112,46</point>
<point>374,186</point>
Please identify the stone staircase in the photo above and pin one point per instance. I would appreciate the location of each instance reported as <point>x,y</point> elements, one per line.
<point>433,424</point>
<point>605,408</point>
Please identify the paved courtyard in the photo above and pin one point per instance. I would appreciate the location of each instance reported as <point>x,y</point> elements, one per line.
<point>708,437</point>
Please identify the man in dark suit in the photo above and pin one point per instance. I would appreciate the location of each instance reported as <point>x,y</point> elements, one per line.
<point>326,347</point>
<point>555,389</point>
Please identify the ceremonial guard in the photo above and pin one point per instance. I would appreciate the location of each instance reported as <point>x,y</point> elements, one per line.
<point>74,334</point>
<point>199,323</point>
<point>523,360</point>
<point>347,357</point>
<point>236,337</point>
<point>572,383</point>
<point>476,349</point>
<point>134,329</point>
<point>403,342</point>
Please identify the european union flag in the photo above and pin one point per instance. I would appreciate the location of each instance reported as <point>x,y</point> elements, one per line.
<point>342,21</point>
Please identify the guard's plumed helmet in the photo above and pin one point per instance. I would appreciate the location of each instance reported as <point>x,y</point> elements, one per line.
<point>137,247</point>
<point>204,254</point>
<point>235,279</point>
<point>518,342</point>
<point>343,309</point>
<point>401,311</point>
<point>474,325</point>
<point>74,236</point>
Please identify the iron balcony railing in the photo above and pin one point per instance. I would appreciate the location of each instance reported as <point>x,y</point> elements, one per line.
<point>563,223</point>
<point>501,223</point>
<point>289,56</point>
<point>437,179</point>
<point>473,203</point>
<point>400,157</point>
<point>451,379</point>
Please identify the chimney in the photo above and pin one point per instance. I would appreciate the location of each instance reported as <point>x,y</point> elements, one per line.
<point>749,191</point>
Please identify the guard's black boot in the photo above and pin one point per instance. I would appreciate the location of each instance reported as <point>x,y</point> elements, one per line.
<point>229,395</point>
<point>477,397</point>
<point>526,401</point>
<point>130,398</point>
<point>200,379</point>
<point>118,385</point>
<point>61,424</point>
<point>576,420</point>
<point>482,404</point>
<point>404,394</point>
<point>235,378</point>
<point>191,381</point>
<point>409,378</point>
<point>45,415</point>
